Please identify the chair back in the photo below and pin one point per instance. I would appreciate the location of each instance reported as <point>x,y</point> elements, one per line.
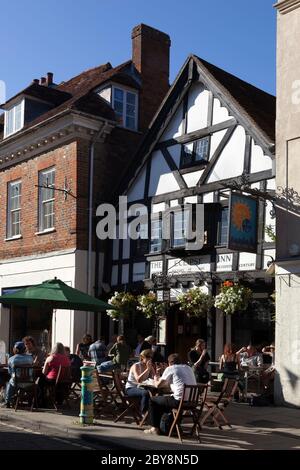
<point>193,396</point>
<point>119,384</point>
<point>23,375</point>
<point>64,375</point>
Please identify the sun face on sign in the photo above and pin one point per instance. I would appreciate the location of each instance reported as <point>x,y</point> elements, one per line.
<point>240,215</point>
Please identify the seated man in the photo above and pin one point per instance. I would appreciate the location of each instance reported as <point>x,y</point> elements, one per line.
<point>98,351</point>
<point>249,357</point>
<point>19,359</point>
<point>177,375</point>
<point>37,354</point>
<point>120,353</point>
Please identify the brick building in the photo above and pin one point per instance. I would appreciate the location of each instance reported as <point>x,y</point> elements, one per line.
<point>63,148</point>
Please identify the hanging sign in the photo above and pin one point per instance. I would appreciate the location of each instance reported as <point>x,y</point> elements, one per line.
<point>243,220</point>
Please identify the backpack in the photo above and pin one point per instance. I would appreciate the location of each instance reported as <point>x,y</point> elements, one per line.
<point>166,423</point>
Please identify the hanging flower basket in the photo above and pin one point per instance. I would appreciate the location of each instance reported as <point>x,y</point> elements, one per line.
<point>233,298</point>
<point>125,304</point>
<point>149,305</point>
<point>195,302</point>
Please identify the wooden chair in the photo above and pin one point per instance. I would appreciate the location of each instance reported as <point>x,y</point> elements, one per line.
<point>25,386</point>
<point>104,395</point>
<point>215,406</point>
<point>190,406</point>
<point>60,390</point>
<point>131,404</point>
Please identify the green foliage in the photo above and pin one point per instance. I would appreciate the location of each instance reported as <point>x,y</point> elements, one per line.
<point>149,305</point>
<point>233,298</point>
<point>270,232</point>
<point>195,302</point>
<point>125,304</point>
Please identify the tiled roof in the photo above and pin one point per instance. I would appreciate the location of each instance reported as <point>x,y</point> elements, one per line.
<point>76,93</point>
<point>259,105</point>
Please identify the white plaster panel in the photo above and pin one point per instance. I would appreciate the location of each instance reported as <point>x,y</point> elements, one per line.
<point>259,161</point>
<point>208,197</point>
<point>106,94</point>
<point>158,207</point>
<point>190,200</point>
<point>125,273</point>
<point>220,113</point>
<point>192,178</point>
<point>175,127</point>
<point>197,107</point>
<point>161,178</point>
<point>174,203</point>
<point>136,191</point>
<point>175,152</point>
<point>215,141</point>
<point>247,261</point>
<point>271,184</point>
<point>231,161</point>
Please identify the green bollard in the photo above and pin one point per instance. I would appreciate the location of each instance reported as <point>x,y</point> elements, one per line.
<point>86,405</point>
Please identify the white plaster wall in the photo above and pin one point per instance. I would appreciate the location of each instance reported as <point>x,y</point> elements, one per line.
<point>174,203</point>
<point>160,207</point>
<point>161,178</point>
<point>271,184</point>
<point>192,178</point>
<point>220,113</point>
<point>197,107</point>
<point>190,200</point>
<point>231,161</point>
<point>208,197</point>
<point>106,94</point>
<point>136,191</point>
<point>175,127</point>
<point>215,141</point>
<point>259,161</point>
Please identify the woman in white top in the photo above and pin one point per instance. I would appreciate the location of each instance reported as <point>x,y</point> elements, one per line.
<point>138,373</point>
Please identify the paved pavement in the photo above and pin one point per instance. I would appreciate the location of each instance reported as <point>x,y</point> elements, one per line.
<point>253,428</point>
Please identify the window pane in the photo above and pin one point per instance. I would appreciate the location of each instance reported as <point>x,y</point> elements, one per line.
<point>118,107</point>
<point>130,110</point>
<point>180,228</point>
<point>130,122</point>
<point>223,227</point>
<point>156,236</point>
<point>119,94</point>
<point>46,201</point>
<point>13,209</point>
<point>201,149</point>
<point>18,117</point>
<point>131,98</point>
<point>187,154</point>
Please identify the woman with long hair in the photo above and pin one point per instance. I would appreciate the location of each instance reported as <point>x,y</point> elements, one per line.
<point>139,372</point>
<point>199,358</point>
<point>229,363</point>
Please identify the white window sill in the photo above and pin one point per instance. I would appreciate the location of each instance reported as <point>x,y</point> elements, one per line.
<point>16,237</point>
<point>44,232</point>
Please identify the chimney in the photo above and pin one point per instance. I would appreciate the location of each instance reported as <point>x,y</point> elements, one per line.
<point>43,81</point>
<point>49,80</point>
<point>151,57</point>
<point>35,80</point>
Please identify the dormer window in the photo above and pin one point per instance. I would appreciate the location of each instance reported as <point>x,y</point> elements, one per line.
<point>14,119</point>
<point>125,103</point>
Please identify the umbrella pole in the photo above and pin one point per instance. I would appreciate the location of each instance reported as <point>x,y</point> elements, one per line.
<point>86,405</point>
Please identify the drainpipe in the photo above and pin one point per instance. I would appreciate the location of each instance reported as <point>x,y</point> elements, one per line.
<point>105,129</point>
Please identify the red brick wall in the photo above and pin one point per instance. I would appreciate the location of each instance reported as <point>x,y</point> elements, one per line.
<point>64,160</point>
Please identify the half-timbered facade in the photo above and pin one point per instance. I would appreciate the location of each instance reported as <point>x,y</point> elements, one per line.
<point>210,129</point>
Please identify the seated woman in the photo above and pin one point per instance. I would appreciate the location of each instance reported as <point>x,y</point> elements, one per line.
<point>139,372</point>
<point>198,359</point>
<point>82,349</point>
<point>51,367</point>
<point>229,363</point>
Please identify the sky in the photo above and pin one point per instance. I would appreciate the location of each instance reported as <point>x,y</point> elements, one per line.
<point>66,37</point>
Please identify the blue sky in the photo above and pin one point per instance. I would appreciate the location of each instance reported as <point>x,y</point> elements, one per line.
<point>67,37</point>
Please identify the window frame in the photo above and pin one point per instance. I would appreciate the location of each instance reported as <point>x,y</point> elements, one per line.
<point>12,109</point>
<point>10,211</point>
<point>223,208</point>
<point>174,213</point>
<point>124,113</point>
<point>160,229</point>
<point>195,161</point>
<point>42,203</point>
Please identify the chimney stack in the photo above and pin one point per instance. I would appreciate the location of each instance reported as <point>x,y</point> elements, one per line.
<point>43,81</point>
<point>49,80</point>
<point>35,80</point>
<point>151,57</point>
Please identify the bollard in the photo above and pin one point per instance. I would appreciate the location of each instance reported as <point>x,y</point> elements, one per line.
<point>86,405</point>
